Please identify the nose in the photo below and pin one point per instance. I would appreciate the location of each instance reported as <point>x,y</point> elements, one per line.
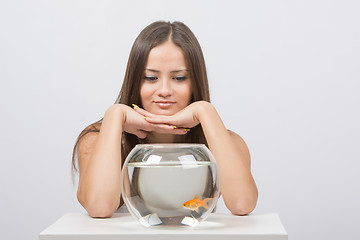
<point>165,88</point>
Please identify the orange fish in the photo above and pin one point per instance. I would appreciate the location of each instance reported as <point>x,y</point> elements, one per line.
<point>196,203</point>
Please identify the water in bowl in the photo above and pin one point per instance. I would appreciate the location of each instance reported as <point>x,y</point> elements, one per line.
<point>170,193</point>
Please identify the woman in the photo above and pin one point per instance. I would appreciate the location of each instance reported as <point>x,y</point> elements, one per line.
<point>166,83</point>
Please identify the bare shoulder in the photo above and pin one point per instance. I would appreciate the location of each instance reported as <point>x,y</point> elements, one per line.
<point>87,143</point>
<point>236,137</point>
<point>89,138</point>
<point>239,141</point>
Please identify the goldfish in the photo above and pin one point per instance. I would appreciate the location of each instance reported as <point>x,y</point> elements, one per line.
<point>196,203</point>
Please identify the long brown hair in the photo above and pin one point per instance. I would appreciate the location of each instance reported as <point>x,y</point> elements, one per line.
<point>152,36</point>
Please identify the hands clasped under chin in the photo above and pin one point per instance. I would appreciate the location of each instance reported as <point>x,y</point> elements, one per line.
<point>139,122</point>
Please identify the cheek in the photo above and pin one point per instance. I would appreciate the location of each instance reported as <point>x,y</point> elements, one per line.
<point>188,97</point>
<point>187,93</point>
<point>144,94</point>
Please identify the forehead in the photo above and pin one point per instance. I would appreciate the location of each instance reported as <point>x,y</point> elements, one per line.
<point>167,57</point>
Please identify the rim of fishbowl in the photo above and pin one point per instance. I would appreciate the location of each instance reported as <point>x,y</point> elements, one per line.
<point>170,145</point>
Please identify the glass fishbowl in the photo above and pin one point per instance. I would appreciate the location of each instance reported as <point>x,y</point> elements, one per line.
<point>170,184</point>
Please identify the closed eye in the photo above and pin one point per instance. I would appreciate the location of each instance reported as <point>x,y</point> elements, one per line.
<point>150,78</point>
<point>179,78</point>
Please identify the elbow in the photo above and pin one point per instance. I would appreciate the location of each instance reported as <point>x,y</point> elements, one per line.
<point>97,208</point>
<point>99,212</point>
<point>244,207</point>
<point>241,211</point>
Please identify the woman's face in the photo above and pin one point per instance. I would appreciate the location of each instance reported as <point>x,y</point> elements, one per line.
<point>166,87</point>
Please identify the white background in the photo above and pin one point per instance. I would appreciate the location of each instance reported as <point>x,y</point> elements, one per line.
<point>283,74</point>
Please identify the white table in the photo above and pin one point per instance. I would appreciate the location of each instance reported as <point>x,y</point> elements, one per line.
<point>123,226</point>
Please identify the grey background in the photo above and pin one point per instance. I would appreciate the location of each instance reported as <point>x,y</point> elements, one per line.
<point>283,74</point>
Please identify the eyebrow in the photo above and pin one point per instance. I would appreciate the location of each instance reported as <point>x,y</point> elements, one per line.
<point>174,71</point>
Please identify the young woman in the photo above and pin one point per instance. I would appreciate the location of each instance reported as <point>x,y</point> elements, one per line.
<point>166,83</point>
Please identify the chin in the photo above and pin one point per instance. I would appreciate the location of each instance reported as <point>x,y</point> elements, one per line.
<point>167,112</point>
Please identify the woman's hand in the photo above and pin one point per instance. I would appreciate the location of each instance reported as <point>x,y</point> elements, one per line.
<point>182,120</point>
<point>135,123</point>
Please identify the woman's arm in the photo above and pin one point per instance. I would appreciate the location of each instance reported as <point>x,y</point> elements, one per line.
<point>237,185</point>
<point>99,157</point>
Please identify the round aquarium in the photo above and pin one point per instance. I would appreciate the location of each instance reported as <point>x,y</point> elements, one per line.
<point>170,184</point>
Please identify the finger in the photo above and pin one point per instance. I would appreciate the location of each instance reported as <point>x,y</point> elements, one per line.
<point>141,134</point>
<point>149,127</point>
<point>145,126</point>
<point>156,119</point>
<point>137,132</point>
<point>181,131</point>
<point>162,120</point>
<point>162,128</point>
<point>142,111</point>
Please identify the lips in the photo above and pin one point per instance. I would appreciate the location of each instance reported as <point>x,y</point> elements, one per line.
<point>164,104</point>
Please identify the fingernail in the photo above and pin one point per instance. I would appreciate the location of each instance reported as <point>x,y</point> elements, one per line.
<point>145,117</point>
<point>135,107</point>
<point>187,129</point>
<point>174,127</point>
